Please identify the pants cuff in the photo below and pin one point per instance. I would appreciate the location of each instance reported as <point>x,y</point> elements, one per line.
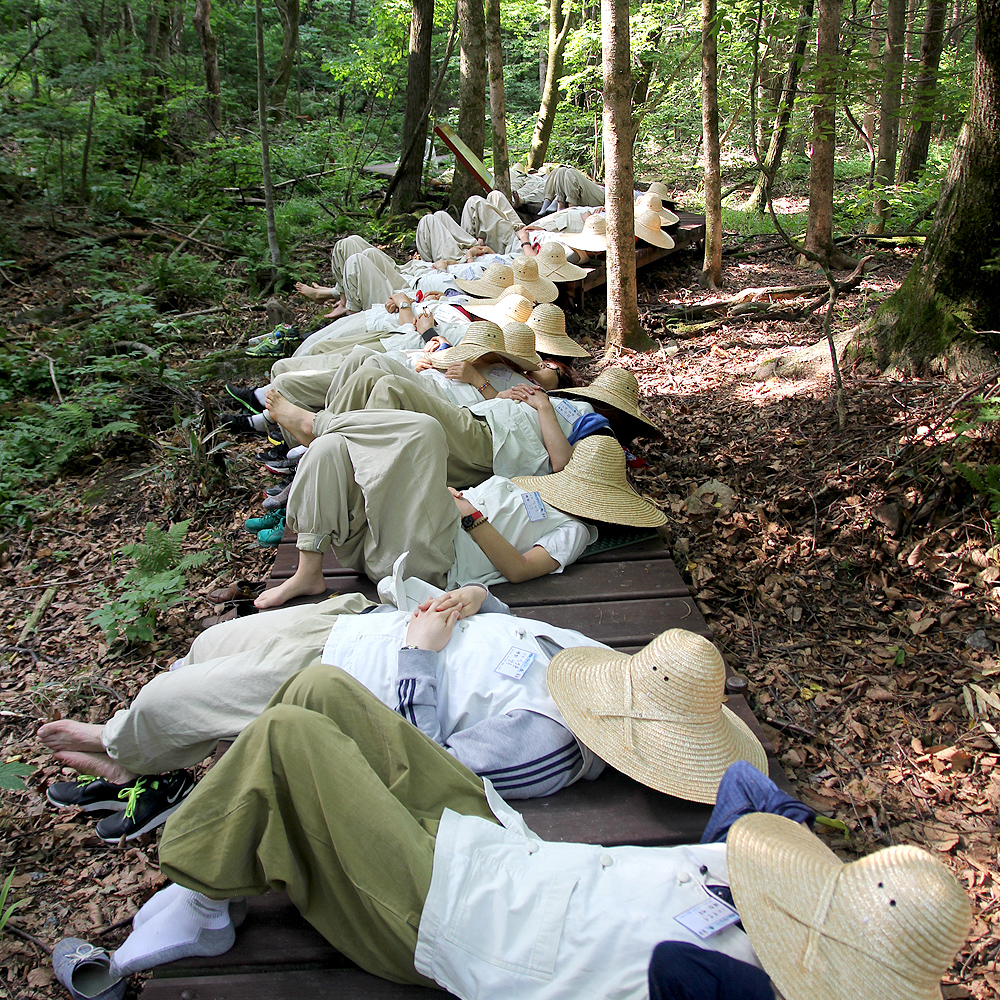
<point>306,541</point>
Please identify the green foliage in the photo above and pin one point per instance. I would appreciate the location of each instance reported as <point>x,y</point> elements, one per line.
<point>983,477</point>
<point>12,775</point>
<point>183,279</point>
<point>156,582</point>
<point>6,913</point>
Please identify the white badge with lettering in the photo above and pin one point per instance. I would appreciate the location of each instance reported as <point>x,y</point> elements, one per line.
<point>708,918</point>
<point>501,373</point>
<point>535,506</point>
<point>566,410</point>
<point>515,664</point>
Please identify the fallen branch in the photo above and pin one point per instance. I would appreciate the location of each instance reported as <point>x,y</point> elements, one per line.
<point>194,232</point>
<point>47,262</point>
<point>41,606</point>
<point>743,254</point>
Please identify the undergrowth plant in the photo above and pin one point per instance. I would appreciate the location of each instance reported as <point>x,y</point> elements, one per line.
<point>982,476</point>
<point>12,775</point>
<point>6,912</point>
<point>156,582</point>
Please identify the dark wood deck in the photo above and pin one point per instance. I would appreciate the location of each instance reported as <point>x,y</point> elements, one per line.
<point>623,597</point>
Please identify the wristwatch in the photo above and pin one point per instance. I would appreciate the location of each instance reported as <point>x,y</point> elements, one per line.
<point>473,520</point>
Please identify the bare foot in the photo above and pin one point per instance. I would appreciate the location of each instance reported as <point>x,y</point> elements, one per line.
<point>302,584</point>
<point>68,734</point>
<point>294,419</point>
<point>314,292</point>
<point>339,310</point>
<point>98,764</point>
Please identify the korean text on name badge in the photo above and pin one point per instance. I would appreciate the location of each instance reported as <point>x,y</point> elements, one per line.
<point>535,506</point>
<point>501,373</point>
<point>515,663</point>
<point>566,410</point>
<point>708,918</point>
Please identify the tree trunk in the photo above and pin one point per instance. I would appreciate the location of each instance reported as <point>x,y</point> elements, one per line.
<point>210,57</point>
<point>84,188</point>
<point>948,298</point>
<point>288,11</point>
<point>873,68</point>
<point>906,83</point>
<point>418,88</point>
<point>265,149</point>
<point>558,32</point>
<point>888,120</point>
<point>619,135</point>
<point>711,271</point>
<point>918,136</point>
<point>471,96</point>
<point>772,161</point>
<point>498,111</point>
<point>819,231</point>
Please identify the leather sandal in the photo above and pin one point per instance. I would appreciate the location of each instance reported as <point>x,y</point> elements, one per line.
<point>241,590</point>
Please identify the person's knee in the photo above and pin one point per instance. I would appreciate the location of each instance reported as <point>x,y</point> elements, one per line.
<point>388,393</point>
<point>317,688</point>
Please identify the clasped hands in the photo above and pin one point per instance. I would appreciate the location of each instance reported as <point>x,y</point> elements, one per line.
<point>433,622</point>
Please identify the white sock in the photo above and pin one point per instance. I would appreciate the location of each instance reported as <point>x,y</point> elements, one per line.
<point>259,394</point>
<point>189,924</point>
<point>258,421</point>
<point>162,899</point>
<point>297,452</point>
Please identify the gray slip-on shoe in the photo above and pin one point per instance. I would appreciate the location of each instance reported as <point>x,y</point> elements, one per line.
<point>85,971</point>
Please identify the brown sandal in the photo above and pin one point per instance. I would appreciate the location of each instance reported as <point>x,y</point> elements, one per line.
<point>241,590</point>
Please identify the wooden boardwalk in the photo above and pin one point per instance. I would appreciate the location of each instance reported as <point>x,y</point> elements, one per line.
<point>622,597</point>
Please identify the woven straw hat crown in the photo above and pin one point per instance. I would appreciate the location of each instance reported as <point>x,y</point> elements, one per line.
<point>549,323</point>
<point>515,289</point>
<point>651,202</point>
<point>648,227</point>
<point>615,386</point>
<point>495,279</point>
<point>525,270</point>
<point>481,338</point>
<point>659,189</point>
<point>509,309</point>
<point>657,716</point>
<point>520,342</point>
<point>884,927</point>
<point>552,263</point>
<point>594,235</point>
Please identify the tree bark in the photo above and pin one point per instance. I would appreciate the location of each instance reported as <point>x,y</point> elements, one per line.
<point>498,110</point>
<point>888,119</point>
<point>948,306</point>
<point>418,88</point>
<point>619,136</point>
<point>265,149</point>
<point>210,57</point>
<point>288,11</point>
<point>471,95</point>
<point>918,136</point>
<point>772,161</point>
<point>873,67</point>
<point>559,27</point>
<point>84,187</point>
<point>711,271</point>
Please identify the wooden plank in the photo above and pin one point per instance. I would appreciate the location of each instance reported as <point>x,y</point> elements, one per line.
<point>465,156</point>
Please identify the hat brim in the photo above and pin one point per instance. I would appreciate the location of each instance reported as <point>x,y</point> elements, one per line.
<point>591,242</point>
<point>481,289</point>
<point>590,392</point>
<point>495,301</point>
<point>542,290</point>
<point>684,757</point>
<point>658,238</point>
<point>489,310</point>
<point>778,870</point>
<point>560,345</point>
<point>586,499</point>
<point>445,359</point>
<point>564,272</point>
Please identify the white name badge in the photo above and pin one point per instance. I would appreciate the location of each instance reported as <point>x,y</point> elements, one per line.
<point>708,918</point>
<point>501,373</point>
<point>565,409</point>
<point>515,664</point>
<point>535,506</point>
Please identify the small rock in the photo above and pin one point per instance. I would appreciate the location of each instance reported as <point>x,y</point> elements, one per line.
<point>277,313</point>
<point>891,516</point>
<point>715,493</point>
<point>671,348</point>
<point>978,640</point>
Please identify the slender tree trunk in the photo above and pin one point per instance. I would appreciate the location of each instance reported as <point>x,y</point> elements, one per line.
<point>84,189</point>
<point>498,110</point>
<point>775,150</point>
<point>265,149</point>
<point>711,270</point>
<point>888,122</point>
<point>288,11</point>
<point>948,305</point>
<point>210,57</point>
<point>874,49</point>
<point>619,135</point>
<point>906,83</point>
<point>559,27</point>
<point>471,95</point>
<point>418,87</point>
<point>918,136</point>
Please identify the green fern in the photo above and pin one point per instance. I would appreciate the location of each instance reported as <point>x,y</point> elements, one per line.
<point>12,775</point>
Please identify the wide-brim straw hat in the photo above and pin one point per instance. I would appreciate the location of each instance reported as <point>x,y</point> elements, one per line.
<point>515,289</point>
<point>594,485</point>
<point>552,263</point>
<point>617,387</point>
<point>647,227</point>
<point>526,273</point>
<point>593,238</point>
<point>884,927</point>
<point>494,280</point>
<point>657,716</point>
<point>480,339</point>
<point>651,202</point>
<point>508,309</point>
<point>549,323</point>
<point>519,339</point>
<point>660,190</point>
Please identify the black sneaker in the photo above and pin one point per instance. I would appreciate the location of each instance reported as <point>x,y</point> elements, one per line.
<point>87,793</point>
<point>273,455</point>
<point>282,466</point>
<point>245,396</point>
<point>238,423</point>
<point>148,803</point>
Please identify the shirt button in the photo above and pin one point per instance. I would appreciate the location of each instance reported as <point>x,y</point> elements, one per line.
<point>531,846</point>
<point>683,877</point>
<point>606,860</point>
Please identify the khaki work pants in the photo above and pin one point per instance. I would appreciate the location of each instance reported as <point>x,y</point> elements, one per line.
<point>342,251</point>
<point>494,221</point>
<point>229,675</point>
<point>335,799</point>
<point>440,237</point>
<point>569,186</point>
<point>370,277</point>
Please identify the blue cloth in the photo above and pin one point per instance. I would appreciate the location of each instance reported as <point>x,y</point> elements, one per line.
<point>681,971</point>
<point>743,790</point>
<point>589,423</point>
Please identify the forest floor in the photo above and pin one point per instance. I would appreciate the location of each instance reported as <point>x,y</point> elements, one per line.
<point>848,573</point>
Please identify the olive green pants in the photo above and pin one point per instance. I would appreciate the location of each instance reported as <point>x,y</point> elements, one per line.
<point>336,800</point>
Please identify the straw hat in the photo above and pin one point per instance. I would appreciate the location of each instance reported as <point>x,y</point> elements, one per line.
<point>526,273</point>
<point>618,388</point>
<point>480,339</point>
<point>885,927</point>
<point>594,485</point>
<point>508,309</point>
<point>519,339</point>
<point>647,227</point>
<point>549,323</point>
<point>594,237</point>
<point>660,190</point>
<point>658,715</point>
<point>495,279</point>
<point>515,289</point>
<point>650,202</point>
<point>552,263</point>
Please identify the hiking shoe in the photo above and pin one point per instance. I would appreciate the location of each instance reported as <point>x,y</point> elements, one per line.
<point>87,793</point>
<point>283,331</point>
<point>266,349</point>
<point>282,466</point>
<point>248,397</point>
<point>277,501</point>
<point>270,537</point>
<point>238,423</point>
<point>148,802</point>
<point>273,491</point>
<point>272,454</point>
<point>272,520</point>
